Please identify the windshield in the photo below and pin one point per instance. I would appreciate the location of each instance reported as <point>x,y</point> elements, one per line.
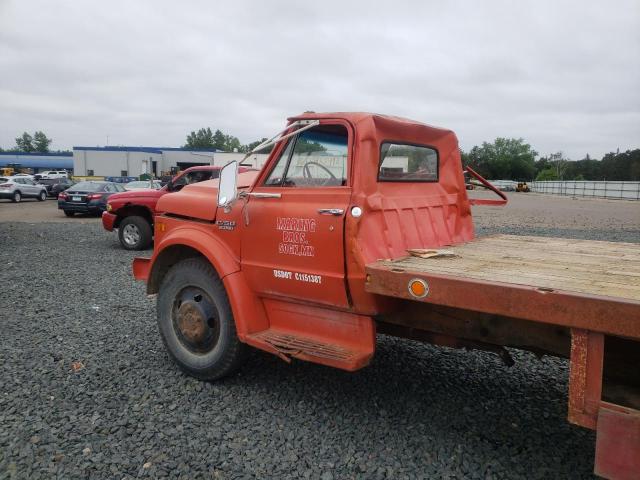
<point>88,187</point>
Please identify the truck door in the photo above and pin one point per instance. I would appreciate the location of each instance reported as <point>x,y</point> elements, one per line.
<point>293,244</point>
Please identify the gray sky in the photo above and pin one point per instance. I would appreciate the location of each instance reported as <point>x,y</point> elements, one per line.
<point>564,75</point>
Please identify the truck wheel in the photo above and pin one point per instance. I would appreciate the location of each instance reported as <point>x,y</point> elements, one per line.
<point>135,233</point>
<point>196,322</point>
<point>43,196</point>
<point>16,197</point>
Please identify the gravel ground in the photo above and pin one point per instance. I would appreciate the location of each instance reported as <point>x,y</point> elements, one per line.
<point>87,390</point>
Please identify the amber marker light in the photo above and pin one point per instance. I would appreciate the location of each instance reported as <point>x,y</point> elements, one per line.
<point>418,288</point>
<point>161,226</point>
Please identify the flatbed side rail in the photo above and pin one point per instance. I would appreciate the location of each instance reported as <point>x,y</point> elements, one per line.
<point>612,316</point>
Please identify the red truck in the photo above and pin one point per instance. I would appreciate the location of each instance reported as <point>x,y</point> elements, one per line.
<point>132,212</point>
<point>360,224</point>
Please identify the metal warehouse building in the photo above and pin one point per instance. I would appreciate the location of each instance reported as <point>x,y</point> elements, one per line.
<point>37,161</point>
<point>134,161</point>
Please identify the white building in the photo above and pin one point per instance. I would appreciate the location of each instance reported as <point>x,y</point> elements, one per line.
<point>134,161</point>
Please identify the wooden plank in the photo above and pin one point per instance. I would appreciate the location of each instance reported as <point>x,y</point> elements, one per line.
<point>590,267</point>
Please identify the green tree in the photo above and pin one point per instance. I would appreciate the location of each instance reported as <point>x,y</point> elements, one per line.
<point>505,158</point>
<point>201,139</point>
<point>24,143</point>
<point>231,144</point>
<point>219,140</point>
<point>621,166</point>
<point>547,174</point>
<point>41,142</point>
<point>250,146</point>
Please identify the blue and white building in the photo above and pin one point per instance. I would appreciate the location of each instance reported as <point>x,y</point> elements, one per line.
<point>38,161</point>
<point>134,161</point>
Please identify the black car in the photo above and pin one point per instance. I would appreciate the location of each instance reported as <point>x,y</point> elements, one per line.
<point>87,197</point>
<point>56,185</point>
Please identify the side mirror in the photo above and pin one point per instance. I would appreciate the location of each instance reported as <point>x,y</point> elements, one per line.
<point>228,189</point>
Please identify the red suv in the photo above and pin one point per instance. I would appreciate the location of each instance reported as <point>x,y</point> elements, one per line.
<point>132,212</point>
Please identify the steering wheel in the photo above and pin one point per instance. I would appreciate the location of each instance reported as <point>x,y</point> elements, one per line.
<point>306,172</point>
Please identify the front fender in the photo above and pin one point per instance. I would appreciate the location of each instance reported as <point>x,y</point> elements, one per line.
<point>185,242</point>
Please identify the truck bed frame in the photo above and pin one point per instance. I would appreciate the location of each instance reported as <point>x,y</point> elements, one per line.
<point>572,298</point>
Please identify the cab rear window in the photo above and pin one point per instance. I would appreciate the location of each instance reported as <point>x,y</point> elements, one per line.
<point>407,163</point>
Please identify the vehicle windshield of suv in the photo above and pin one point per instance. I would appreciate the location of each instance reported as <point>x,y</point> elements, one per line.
<point>3,179</point>
<point>88,187</point>
<point>47,181</point>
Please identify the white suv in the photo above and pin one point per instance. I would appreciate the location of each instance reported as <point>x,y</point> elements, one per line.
<point>53,174</point>
<point>17,188</point>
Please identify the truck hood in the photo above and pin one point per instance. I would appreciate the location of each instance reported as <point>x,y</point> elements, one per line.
<point>136,194</point>
<point>200,200</point>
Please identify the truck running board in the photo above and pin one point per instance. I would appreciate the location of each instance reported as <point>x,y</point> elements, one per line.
<point>318,335</point>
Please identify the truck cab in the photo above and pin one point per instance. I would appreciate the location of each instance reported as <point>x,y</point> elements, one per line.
<point>361,224</point>
<point>338,191</point>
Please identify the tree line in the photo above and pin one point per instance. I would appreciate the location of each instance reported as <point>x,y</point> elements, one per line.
<point>502,159</point>
<point>207,139</point>
<point>514,159</point>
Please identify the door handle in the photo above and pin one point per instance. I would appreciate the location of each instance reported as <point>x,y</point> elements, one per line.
<point>331,211</point>
<point>259,195</point>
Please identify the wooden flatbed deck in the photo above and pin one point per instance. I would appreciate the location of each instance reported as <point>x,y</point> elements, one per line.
<point>577,283</point>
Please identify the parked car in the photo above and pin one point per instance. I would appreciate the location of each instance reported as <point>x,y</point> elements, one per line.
<point>24,175</point>
<point>18,187</point>
<point>132,212</point>
<point>56,185</point>
<point>54,174</point>
<point>87,197</point>
<point>143,184</point>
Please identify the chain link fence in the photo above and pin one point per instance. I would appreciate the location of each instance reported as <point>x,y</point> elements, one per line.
<point>575,188</point>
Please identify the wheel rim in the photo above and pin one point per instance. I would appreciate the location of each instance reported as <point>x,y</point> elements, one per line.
<point>43,196</point>
<point>131,234</point>
<point>195,320</point>
<point>17,197</point>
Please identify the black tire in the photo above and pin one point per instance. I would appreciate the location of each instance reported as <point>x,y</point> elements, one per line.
<point>135,233</point>
<point>218,352</point>
<point>69,213</point>
<point>42,196</point>
<point>16,197</point>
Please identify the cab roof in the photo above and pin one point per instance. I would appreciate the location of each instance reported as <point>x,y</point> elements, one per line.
<point>366,117</point>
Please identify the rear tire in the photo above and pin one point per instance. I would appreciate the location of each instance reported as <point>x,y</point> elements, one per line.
<point>135,233</point>
<point>196,322</point>
<point>69,213</point>
<point>17,196</point>
<point>42,196</point>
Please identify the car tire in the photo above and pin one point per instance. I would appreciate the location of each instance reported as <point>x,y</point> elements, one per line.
<point>69,213</point>
<point>42,196</point>
<point>196,322</point>
<point>135,233</point>
<point>16,197</point>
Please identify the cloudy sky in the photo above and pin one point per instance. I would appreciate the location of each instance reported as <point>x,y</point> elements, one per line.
<point>564,75</point>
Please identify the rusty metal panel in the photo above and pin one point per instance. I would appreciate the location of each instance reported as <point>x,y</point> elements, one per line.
<point>614,316</point>
<point>618,444</point>
<point>585,377</point>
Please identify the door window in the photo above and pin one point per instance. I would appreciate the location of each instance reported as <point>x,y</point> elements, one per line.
<point>315,158</point>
